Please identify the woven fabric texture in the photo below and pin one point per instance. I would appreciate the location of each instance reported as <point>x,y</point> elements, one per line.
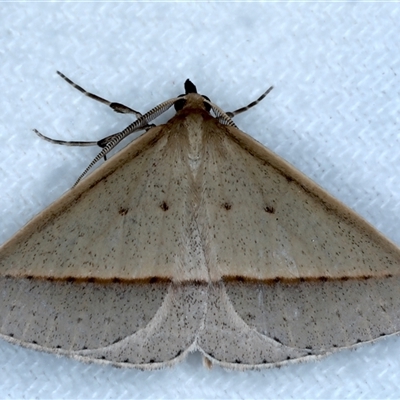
<point>334,114</point>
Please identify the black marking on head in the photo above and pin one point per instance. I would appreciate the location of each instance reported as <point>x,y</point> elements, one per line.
<point>91,280</point>
<point>207,106</point>
<point>116,280</point>
<point>189,87</point>
<point>269,209</point>
<point>34,341</point>
<point>178,353</point>
<point>164,206</point>
<point>29,277</point>
<point>179,104</point>
<point>126,360</point>
<point>154,279</point>
<point>152,361</point>
<point>237,361</point>
<point>11,334</point>
<point>70,279</point>
<point>277,340</point>
<point>264,361</point>
<point>227,206</point>
<point>123,211</point>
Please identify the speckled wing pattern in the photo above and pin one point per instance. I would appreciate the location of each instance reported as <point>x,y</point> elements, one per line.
<point>196,237</point>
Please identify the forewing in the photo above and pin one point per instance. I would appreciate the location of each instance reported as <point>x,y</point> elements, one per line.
<point>129,220</point>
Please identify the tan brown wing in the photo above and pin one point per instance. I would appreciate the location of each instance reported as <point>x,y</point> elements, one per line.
<point>197,237</point>
<point>92,276</point>
<point>300,274</point>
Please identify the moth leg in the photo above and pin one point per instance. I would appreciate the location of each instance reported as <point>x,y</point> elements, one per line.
<point>66,142</point>
<point>231,114</point>
<point>75,143</point>
<point>108,139</point>
<point>101,143</point>
<point>117,107</point>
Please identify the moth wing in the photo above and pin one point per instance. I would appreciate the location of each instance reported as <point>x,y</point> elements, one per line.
<point>92,275</point>
<point>132,219</point>
<point>296,273</point>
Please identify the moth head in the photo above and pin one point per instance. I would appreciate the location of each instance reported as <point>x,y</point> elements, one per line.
<point>192,98</point>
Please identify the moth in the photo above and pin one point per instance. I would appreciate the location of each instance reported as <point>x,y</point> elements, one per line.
<point>195,237</point>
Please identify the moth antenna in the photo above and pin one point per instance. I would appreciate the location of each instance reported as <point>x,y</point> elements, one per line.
<point>231,114</point>
<point>222,116</point>
<point>140,124</point>
<point>117,107</point>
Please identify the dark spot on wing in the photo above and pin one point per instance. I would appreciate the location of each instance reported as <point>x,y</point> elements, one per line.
<point>227,206</point>
<point>164,206</point>
<point>269,209</point>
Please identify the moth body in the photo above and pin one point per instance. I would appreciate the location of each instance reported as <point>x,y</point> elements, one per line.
<point>196,237</point>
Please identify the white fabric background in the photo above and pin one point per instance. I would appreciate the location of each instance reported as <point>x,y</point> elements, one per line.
<point>334,114</point>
